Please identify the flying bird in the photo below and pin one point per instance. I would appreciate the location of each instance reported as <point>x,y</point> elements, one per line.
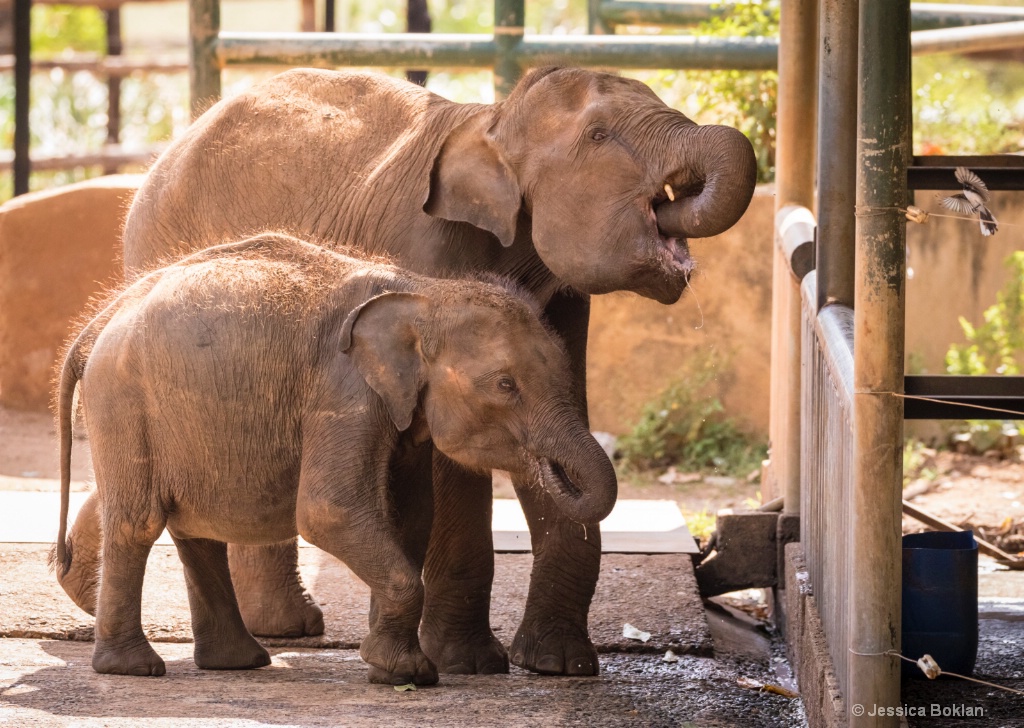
<point>972,201</point>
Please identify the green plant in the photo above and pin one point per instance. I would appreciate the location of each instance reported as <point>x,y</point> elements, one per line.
<point>700,523</point>
<point>686,426</point>
<point>994,347</point>
<point>997,345</point>
<point>747,100</point>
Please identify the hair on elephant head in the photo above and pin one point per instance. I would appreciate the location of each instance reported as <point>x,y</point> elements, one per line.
<point>492,384</point>
<point>613,180</point>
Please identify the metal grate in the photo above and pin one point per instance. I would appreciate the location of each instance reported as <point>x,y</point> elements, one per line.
<point>827,466</point>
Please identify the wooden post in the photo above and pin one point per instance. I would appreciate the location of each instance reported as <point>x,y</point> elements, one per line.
<point>794,183</point>
<point>883,150</point>
<point>204,66</point>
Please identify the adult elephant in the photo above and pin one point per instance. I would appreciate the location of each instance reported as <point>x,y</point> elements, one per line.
<point>579,183</point>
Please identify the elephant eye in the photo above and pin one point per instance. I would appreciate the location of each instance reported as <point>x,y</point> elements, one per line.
<point>598,135</point>
<point>507,384</point>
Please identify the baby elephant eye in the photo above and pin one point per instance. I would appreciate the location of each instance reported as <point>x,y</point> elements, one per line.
<point>507,384</point>
<point>598,135</point>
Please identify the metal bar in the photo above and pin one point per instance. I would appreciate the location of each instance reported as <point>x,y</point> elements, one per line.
<point>22,94</point>
<point>994,37</point>
<point>837,151</point>
<point>883,151</point>
<point>794,184</point>
<point>417,20</point>
<point>509,16</point>
<point>928,16</point>
<point>204,69</point>
<point>329,13</point>
<point>464,50</point>
<point>958,392</point>
<point>923,16</point>
<point>596,24</point>
<point>114,155</point>
<point>116,66</point>
<point>114,48</point>
<point>999,171</point>
<point>631,12</point>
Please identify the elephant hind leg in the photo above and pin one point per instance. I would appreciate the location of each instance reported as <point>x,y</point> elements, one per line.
<point>270,593</point>
<point>121,646</point>
<point>222,641</point>
<point>81,580</point>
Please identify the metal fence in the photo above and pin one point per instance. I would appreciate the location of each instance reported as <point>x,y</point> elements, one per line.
<point>827,454</point>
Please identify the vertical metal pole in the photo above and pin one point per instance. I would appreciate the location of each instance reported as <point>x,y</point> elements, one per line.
<point>794,183</point>
<point>595,23</point>
<point>509,16</point>
<point>22,96</point>
<point>837,151</point>
<point>114,48</point>
<point>417,20</point>
<point>883,149</point>
<point>204,68</point>
<point>329,10</point>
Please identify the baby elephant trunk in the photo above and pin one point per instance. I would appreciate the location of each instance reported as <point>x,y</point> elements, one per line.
<point>576,472</point>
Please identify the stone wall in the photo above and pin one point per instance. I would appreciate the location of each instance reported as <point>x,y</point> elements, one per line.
<point>57,249</point>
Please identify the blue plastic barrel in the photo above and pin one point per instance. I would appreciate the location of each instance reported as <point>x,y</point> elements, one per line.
<point>940,600</point>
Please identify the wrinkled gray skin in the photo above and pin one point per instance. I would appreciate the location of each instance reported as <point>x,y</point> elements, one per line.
<point>262,389</point>
<point>561,187</point>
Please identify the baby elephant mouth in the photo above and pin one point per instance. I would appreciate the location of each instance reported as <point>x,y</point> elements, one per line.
<point>556,480</point>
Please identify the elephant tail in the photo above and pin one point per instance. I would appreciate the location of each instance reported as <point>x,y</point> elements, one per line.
<point>70,373</point>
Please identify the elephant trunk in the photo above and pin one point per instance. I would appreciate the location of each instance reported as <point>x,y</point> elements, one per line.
<point>723,165</point>
<point>576,472</point>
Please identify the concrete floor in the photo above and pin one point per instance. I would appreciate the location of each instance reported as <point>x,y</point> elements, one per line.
<point>321,681</point>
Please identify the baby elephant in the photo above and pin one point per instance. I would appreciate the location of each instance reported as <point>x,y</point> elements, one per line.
<point>270,387</point>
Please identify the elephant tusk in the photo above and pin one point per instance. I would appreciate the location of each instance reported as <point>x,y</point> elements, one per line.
<point>670,193</point>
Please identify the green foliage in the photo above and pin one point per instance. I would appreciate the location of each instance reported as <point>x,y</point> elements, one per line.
<point>997,345</point>
<point>686,426</point>
<point>58,28</point>
<point>747,100</point>
<point>994,347</point>
<point>967,106</point>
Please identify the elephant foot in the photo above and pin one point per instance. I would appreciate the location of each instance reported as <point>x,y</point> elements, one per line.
<point>243,653</point>
<point>134,658</point>
<point>556,647</point>
<point>392,663</point>
<point>481,654</point>
<point>270,594</point>
<point>283,618</point>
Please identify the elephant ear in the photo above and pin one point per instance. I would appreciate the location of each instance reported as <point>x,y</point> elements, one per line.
<point>383,339</point>
<point>471,181</point>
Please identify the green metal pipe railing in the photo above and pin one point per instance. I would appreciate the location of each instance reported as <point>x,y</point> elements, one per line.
<point>485,51</point>
<point>923,16</point>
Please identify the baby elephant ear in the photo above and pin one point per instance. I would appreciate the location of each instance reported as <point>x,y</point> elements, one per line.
<point>471,182</point>
<point>383,339</point>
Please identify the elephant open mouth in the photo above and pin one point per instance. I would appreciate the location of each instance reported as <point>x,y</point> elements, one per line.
<point>673,252</point>
<point>556,480</point>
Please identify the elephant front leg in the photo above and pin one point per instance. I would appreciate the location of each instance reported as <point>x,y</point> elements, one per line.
<point>456,630</point>
<point>271,596</point>
<point>553,638</point>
